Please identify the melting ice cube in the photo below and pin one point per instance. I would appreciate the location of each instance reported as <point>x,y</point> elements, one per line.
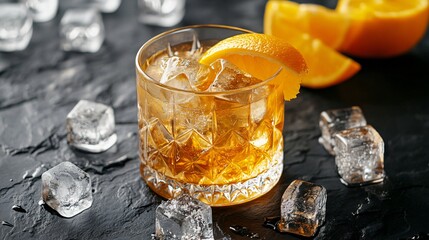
<point>67,189</point>
<point>107,6</point>
<point>165,13</point>
<point>42,10</point>
<point>82,30</point>
<point>333,121</point>
<point>184,218</point>
<point>303,208</point>
<point>185,73</point>
<point>359,155</point>
<point>230,77</point>
<point>91,127</point>
<point>16,27</point>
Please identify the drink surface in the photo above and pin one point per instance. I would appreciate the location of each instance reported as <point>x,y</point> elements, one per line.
<point>222,141</point>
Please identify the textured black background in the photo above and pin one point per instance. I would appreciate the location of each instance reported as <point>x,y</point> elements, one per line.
<point>40,85</point>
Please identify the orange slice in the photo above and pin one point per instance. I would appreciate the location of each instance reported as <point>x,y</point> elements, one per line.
<point>320,22</point>
<point>326,66</point>
<point>383,28</point>
<point>262,56</point>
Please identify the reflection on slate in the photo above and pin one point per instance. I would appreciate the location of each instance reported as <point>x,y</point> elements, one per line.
<point>40,85</point>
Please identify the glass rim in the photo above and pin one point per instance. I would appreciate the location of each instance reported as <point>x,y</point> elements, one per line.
<point>195,92</point>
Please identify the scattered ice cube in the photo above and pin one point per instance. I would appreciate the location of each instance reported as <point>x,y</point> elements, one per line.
<point>16,27</point>
<point>42,10</point>
<point>91,127</point>
<point>67,189</point>
<point>303,208</point>
<point>82,30</point>
<point>333,121</point>
<point>165,13</point>
<point>184,218</point>
<point>106,6</point>
<point>359,156</point>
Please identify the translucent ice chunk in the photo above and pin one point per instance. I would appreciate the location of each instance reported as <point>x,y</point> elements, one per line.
<point>42,10</point>
<point>303,208</point>
<point>185,73</point>
<point>184,218</point>
<point>165,13</point>
<point>258,110</point>
<point>91,127</point>
<point>16,27</point>
<point>333,121</point>
<point>107,6</point>
<point>230,77</point>
<point>359,155</point>
<point>82,30</point>
<point>67,189</point>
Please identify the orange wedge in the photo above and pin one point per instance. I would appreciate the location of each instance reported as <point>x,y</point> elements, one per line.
<point>383,28</point>
<point>326,66</point>
<point>262,56</point>
<point>320,22</point>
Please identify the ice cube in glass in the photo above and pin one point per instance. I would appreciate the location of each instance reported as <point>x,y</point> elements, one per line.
<point>67,189</point>
<point>42,10</point>
<point>333,121</point>
<point>303,208</point>
<point>184,218</point>
<point>91,127</point>
<point>165,13</point>
<point>359,156</point>
<point>82,30</point>
<point>16,27</point>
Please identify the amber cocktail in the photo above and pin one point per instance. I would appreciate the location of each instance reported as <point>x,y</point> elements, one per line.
<point>214,131</point>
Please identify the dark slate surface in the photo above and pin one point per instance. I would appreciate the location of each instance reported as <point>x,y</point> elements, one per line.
<point>40,85</point>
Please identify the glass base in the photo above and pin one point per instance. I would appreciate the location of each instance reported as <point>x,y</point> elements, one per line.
<point>214,195</point>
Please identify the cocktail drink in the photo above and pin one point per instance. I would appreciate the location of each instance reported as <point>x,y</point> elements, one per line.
<point>213,131</point>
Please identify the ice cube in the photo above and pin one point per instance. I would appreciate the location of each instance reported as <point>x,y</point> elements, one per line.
<point>185,73</point>
<point>184,218</point>
<point>42,10</point>
<point>106,6</point>
<point>303,208</point>
<point>82,30</point>
<point>165,13</point>
<point>230,77</point>
<point>91,127</point>
<point>359,156</point>
<point>333,121</point>
<point>258,110</point>
<point>16,27</point>
<point>67,189</point>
